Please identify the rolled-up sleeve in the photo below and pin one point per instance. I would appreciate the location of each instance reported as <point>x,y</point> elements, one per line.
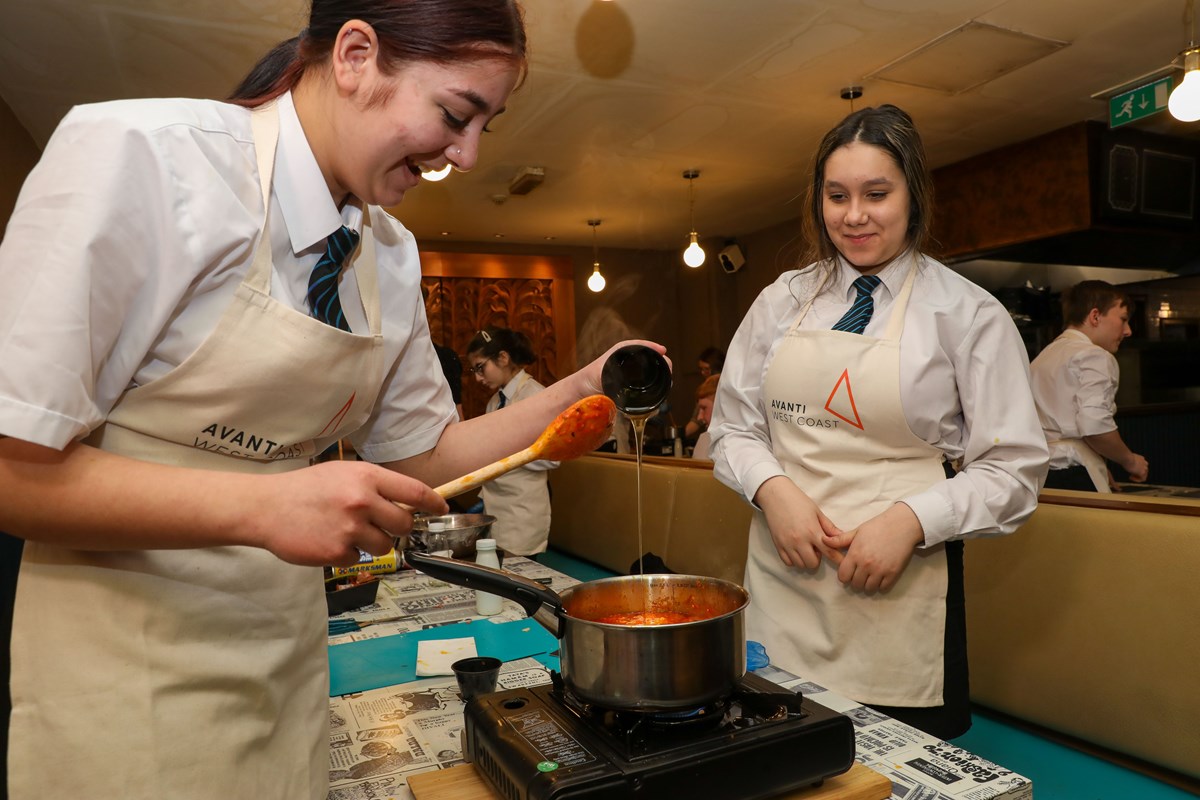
<point>1098,375</point>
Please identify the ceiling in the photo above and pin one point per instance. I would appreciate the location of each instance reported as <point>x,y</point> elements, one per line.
<point>622,97</point>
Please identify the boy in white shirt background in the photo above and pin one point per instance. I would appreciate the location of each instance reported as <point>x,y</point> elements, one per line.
<point>1074,383</point>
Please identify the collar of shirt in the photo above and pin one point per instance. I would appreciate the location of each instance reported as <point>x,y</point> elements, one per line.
<point>511,388</point>
<point>300,189</point>
<point>1071,333</point>
<point>891,277</point>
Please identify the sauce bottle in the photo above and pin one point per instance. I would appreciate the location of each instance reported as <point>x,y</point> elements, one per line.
<point>487,604</point>
<point>436,541</point>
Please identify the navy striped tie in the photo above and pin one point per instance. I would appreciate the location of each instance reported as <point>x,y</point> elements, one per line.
<point>503,400</point>
<point>855,320</point>
<point>323,282</point>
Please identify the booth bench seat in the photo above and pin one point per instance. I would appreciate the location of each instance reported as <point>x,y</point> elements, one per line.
<point>1085,621</point>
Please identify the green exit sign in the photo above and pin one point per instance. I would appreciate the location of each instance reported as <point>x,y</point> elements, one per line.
<point>1138,103</point>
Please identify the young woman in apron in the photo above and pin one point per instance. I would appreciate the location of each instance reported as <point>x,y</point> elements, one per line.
<point>166,383</point>
<point>519,500</point>
<point>847,390</point>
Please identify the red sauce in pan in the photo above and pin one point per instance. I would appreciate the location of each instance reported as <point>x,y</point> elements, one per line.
<point>646,618</point>
<point>657,617</point>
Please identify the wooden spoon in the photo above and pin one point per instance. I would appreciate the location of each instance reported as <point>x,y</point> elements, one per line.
<point>578,430</point>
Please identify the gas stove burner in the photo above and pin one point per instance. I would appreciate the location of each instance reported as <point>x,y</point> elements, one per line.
<point>543,743</point>
<point>633,724</point>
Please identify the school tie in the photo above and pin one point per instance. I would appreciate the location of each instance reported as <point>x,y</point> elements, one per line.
<point>503,399</point>
<point>323,282</point>
<point>855,320</point>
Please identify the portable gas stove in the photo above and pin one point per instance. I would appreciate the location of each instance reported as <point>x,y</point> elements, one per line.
<point>541,742</point>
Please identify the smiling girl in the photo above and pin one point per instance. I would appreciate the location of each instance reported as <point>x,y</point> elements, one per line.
<point>202,296</point>
<point>891,367</point>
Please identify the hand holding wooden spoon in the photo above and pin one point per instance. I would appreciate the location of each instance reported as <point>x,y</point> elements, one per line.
<point>577,431</point>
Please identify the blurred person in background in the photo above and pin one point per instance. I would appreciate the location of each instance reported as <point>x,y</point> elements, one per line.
<point>520,498</point>
<point>1074,381</point>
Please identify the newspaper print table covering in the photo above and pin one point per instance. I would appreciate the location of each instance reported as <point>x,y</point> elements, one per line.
<point>379,738</point>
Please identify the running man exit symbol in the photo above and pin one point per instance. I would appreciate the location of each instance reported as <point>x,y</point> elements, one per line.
<point>1138,103</point>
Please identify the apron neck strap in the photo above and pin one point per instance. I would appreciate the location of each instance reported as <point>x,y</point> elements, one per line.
<point>895,324</point>
<point>264,125</point>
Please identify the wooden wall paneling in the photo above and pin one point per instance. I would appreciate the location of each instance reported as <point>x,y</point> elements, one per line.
<point>532,294</point>
<point>1027,191</point>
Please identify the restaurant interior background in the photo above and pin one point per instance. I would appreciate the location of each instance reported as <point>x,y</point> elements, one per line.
<point>623,99</point>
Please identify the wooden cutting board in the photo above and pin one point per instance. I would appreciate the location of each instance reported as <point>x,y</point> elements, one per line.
<point>463,783</point>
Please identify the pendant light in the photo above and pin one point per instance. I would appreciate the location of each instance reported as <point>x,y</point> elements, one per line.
<point>1184,102</point>
<point>436,174</point>
<point>596,281</point>
<point>693,256</point>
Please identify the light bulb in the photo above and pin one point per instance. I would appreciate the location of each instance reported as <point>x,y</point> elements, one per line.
<point>436,174</point>
<point>693,256</point>
<point>1184,102</point>
<point>596,281</point>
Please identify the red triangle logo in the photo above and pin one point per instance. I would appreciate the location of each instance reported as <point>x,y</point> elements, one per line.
<point>845,401</point>
<point>339,416</point>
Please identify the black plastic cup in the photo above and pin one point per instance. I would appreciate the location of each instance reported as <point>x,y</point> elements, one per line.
<point>476,675</point>
<point>637,379</point>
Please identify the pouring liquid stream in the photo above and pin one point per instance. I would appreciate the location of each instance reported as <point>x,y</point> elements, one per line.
<point>639,437</point>
<point>637,379</point>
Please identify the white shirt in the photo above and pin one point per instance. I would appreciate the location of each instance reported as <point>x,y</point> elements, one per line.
<point>519,499</point>
<point>964,388</point>
<point>520,386</point>
<point>1075,387</point>
<point>128,241</point>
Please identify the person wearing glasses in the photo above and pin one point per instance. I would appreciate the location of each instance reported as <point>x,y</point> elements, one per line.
<point>519,499</point>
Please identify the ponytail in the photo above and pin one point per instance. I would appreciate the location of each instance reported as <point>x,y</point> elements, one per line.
<point>276,73</point>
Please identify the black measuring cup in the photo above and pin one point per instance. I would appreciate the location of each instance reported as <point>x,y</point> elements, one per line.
<point>637,379</point>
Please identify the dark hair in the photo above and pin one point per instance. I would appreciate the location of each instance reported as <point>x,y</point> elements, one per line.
<point>440,31</point>
<point>892,130</point>
<point>491,341</point>
<point>714,357</point>
<point>1079,300</point>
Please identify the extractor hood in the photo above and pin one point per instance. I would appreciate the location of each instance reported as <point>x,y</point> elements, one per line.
<point>1083,195</point>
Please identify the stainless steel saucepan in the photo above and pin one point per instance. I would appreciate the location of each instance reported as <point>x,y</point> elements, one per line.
<point>667,666</point>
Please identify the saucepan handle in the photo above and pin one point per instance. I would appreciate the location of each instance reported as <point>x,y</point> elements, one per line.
<point>541,603</point>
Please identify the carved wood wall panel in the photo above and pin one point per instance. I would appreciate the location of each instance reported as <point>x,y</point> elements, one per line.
<point>459,307</point>
<point>1020,193</point>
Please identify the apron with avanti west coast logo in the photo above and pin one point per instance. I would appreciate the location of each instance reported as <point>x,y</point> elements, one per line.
<point>838,428</point>
<point>197,673</point>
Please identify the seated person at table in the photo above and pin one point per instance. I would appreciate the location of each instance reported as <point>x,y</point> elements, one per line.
<point>704,406</point>
<point>710,362</point>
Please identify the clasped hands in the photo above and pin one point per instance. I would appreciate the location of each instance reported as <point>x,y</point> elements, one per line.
<point>869,558</point>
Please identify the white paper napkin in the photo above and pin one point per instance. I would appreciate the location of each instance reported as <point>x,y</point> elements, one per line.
<point>434,656</point>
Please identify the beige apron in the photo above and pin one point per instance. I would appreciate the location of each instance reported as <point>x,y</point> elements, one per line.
<point>839,431</point>
<point>197,673</point>
<point>1092,461</point>
<point>520,502</point>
